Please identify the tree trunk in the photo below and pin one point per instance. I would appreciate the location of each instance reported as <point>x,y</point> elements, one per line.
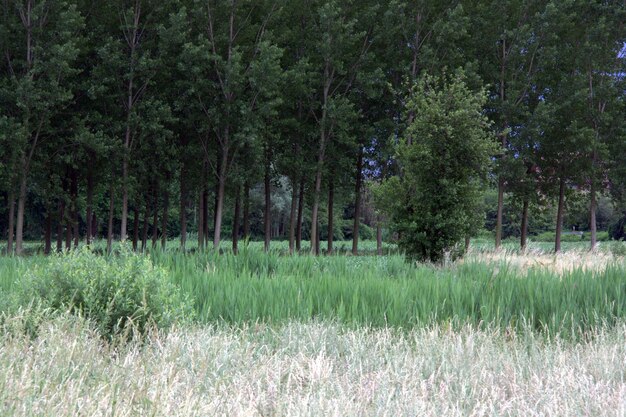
<point>19,229</point>
<point>74,194</point>
<point>48,233</point>
<point>220,199</point>
<point>236,221</point>
<point>246,211</point>
<point>11,230</point>
<point>524,232</point>
<point>155,217</point>
<point>201,218</point>
<point>331,214</point>
<point>94,226</point>
<point>559,216</point>
<point>60,225</point>
<point>205,216</point>
<point>165,216</point>
<point>300,216</point>
<point>183,206</point>
<point>317,242</point>
<point>316,199</point>
<point>267,218</point>
<point>144,231</point>
<point>124,192</point>
<point>292,216</point>
<point>135,227</point>
<point>357,203</point>
<point>89,219</point>
<point>499,214</point>
<point>592,216</point>
<point>68,231</point>
<point>110,229</point>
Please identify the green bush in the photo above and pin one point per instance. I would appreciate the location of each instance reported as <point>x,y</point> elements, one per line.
<point>113,291</point>
<point>549,237</point>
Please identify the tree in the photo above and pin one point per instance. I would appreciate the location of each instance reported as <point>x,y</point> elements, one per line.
<point>40,46</point>
<point>443,167</point>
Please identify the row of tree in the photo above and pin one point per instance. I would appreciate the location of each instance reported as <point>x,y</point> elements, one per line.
<point>133,111</point>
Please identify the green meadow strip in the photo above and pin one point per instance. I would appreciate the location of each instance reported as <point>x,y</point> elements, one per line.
<point>382,291</point>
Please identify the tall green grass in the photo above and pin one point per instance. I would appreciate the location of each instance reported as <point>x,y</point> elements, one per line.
<point>382,291</point>
<point>386,291</point>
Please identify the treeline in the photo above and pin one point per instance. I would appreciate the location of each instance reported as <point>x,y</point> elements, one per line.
<point>145,118</point>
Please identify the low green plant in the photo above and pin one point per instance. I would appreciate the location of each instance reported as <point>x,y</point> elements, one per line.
<point>113,292</point>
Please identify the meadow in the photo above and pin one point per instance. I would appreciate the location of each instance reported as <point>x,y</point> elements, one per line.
<point>498,333</point>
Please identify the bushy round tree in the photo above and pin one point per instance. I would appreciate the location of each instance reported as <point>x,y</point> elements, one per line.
<point>444,160</point>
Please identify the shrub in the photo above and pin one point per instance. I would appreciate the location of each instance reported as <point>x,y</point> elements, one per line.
<point>111,291</point>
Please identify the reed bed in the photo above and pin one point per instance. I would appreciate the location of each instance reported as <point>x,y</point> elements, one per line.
<point>503,290</point>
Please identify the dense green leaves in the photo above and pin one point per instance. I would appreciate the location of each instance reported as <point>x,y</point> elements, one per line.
<point>444,161</point>
<point>111,112</point>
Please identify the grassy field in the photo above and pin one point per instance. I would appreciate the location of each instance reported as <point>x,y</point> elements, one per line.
<point>498,333</point>
<point>314,369</point>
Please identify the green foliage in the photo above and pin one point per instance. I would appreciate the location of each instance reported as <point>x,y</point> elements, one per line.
<point>617,230</point>
<point>445,158</point>
<point>113,292</point>
<point>550,236</point>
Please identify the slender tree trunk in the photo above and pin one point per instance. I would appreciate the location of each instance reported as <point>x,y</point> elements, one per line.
<point>205,214</point>
<point>61,219</point>
<point>74,194</point>
<point>68,231</point>
<point>499,213</point>
<point>201,218</point>
<point>246,210</point>
<point>183,206</point>
<point>331,214</point>
<point>221,185</point>
<point>155,217</point>
<point>559,216</point>
<point>292,216</point>
<point>357,203</point>
<point>124,219</point>
<point>524,232</point>
<point>300,215</point>
<point>317,241</point>
<point>94,226</point>
<point>11,230</point>
<point>135,227</point>
<point>48,233</point>
<point>165,216</point>
<point>110,229</point>
<point>19,229</point>
<point>501,184</point>
<point>316,197</point>
<point>144,231</point>
<point>267,218</point>
<point>236,221</point>
<point>89,219</point>
<point>592,216</point>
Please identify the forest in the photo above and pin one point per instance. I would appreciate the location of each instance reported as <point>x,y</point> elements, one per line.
<point>172,170</point>
<point>205,120</point>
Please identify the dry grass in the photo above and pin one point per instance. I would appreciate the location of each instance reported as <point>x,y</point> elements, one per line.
<point>561,263</point>
<point>311,370</point>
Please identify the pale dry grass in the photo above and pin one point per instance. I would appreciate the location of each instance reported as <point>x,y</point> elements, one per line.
<point>560,263</point>
<point>311,370</point>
